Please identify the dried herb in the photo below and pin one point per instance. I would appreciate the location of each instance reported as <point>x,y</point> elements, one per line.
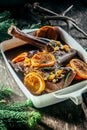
<point>47,68</point>
<point>67,77</point>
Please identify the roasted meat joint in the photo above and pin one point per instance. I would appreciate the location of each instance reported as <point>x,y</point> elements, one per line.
<point>48,64</point>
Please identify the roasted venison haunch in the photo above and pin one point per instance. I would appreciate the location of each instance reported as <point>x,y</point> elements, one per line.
<point>61,80</point>
<point>63,53</point>
<point>41,70</point>
<point>41,44</point>
<point>45,70</point>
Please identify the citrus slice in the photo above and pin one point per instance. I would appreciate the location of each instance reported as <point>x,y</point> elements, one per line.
<point>77,77</point>
<point>43,59</point>
<point>80,67</point>
<point>47,32</point>
<point>35,83</point>
<point>20,57</point>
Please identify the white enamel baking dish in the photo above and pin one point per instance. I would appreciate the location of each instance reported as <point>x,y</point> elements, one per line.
<point>73,92</point>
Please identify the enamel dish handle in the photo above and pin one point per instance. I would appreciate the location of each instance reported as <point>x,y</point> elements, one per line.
<point>75,96</point>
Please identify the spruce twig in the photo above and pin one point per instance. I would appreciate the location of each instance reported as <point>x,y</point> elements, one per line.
<point>12,118</point>
<point>17,106</point>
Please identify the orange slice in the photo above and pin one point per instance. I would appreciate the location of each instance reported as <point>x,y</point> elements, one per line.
<point>47,32</point>
<point>35,83</point>
<point>80,67</point>
<point>77,77</point>
<point>43,59</point>
<point>20,57</point>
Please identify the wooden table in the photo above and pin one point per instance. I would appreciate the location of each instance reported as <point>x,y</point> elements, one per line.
<point>65,115</point>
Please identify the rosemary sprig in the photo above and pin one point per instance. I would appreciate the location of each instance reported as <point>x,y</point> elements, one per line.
<point>67,77</point>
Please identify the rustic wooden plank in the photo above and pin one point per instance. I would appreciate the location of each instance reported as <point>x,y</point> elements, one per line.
<point>7,79</point>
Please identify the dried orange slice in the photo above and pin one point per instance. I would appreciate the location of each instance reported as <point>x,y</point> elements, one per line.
<point>47,32</point>
<point>43,59</point>
<point>77,77</point>
<point>20,57</point>
<point>35,83</point>
<point>80,67</point>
